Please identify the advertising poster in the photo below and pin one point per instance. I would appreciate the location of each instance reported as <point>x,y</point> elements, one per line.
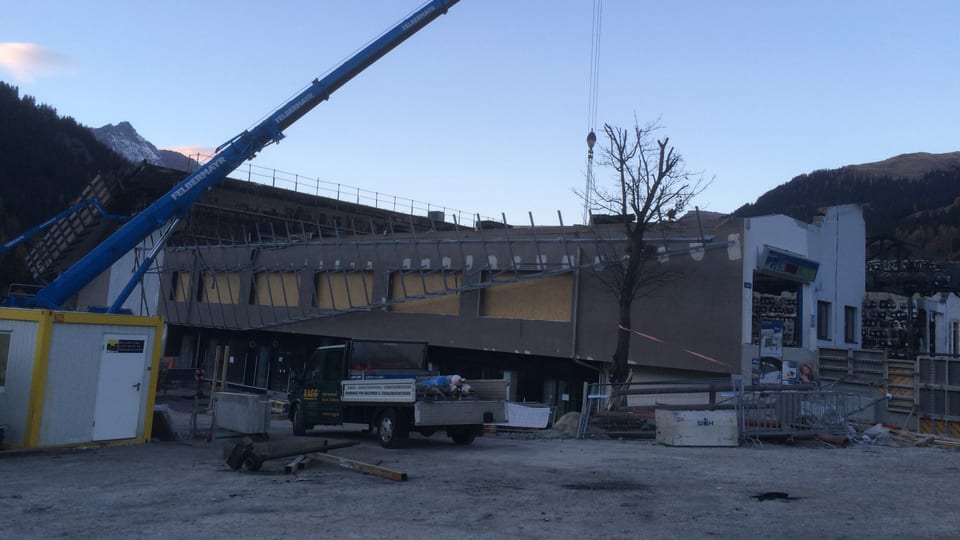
<point>771,339</point>
<point>769,367</point>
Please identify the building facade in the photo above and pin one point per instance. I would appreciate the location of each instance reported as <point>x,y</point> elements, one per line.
<point>258,276</point>
<point>531,304</point>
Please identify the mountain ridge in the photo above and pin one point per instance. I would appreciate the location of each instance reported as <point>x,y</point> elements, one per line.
<point>911,200</point>
<point>124,139</point>
<point>909,166</point>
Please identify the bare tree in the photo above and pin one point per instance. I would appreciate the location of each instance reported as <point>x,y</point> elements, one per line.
<point>651,188</point>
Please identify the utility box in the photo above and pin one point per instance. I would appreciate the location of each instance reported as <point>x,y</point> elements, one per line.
<point>71,378</point>
<point>683,426</point>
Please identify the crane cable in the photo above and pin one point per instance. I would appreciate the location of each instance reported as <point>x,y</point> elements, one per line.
<point>592,106</point>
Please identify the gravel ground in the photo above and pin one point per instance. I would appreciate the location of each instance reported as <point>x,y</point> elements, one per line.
<point>502,486</point>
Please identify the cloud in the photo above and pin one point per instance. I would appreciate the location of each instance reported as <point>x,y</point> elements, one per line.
<point>27,62</point>
<point>194,151</point>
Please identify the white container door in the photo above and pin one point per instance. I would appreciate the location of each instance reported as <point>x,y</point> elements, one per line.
<point>122,381</point>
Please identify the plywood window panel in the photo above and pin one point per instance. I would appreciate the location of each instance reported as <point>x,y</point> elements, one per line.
<point>181,284</point>
<point>276,289</point>
<point>427,293</point>
<point>539,299</point>
<point>343,290</point>
<point>221,288</point>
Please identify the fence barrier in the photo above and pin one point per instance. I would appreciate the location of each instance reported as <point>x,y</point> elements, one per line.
<point>792,413</point>
<point>763,411</point>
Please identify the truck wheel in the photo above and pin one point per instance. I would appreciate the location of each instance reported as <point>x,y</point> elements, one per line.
<point>298,426</point>
<point>463,438</point>
<point>390,432</point>
<point>253,463</point>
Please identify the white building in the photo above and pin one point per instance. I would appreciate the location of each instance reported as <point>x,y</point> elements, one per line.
<point>807,277</point>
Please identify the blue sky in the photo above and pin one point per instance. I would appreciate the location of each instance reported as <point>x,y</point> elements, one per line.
<point>485,110</point>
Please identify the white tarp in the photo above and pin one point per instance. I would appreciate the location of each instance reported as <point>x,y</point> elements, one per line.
<point>526,416</point>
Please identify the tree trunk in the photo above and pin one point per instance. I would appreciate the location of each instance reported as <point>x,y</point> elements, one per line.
<point>622,353</point>
<point>628,288</point>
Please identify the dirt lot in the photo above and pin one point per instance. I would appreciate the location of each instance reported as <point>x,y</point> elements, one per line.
<point>503,486</point>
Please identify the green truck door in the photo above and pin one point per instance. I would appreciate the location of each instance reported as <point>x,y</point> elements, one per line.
<point>321,392</point>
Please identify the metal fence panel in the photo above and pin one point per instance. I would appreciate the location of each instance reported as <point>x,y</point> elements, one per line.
<point>763,411</point>
<point>794,413</point>
<point>627,410</point>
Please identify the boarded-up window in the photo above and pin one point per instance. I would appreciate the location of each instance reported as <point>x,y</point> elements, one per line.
<point>180,287</point>
<point>277,289</point>
<point>221,287</point>
<point>427,292</point>
<point>344,289</point>
<point>547,298</point>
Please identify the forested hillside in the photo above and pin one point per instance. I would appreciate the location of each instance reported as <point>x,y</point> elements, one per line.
<point>45,161</point>
<point>918,205</point>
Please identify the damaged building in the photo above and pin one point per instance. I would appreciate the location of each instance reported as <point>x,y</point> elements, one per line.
<point>260,275</point>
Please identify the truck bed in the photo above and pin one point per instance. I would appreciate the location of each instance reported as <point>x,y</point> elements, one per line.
<point>405,390</point>
<point>485,404</point>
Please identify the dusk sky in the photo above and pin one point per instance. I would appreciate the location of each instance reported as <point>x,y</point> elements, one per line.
<point>486,109</point>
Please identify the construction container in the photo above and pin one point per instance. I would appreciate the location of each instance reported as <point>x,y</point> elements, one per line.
<point>685,426</point>
<point>242,413</point>
<point>74,379</point>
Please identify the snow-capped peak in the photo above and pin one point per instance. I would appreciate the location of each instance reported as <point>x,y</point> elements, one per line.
<point>125,140</point>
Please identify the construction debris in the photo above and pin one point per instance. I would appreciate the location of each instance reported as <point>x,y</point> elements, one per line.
<point>358,466</point>
<point>924,439</point>
<point>247,452</point>
<point>253,455</point>
<point>298,462</point>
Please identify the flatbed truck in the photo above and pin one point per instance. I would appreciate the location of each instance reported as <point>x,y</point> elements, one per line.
<point>388,388</point>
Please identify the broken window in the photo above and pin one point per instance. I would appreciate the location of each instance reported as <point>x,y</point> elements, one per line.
<point>776,300</point>
<point>823,320</point>
<point>4,355</point>
<point>850,324</point>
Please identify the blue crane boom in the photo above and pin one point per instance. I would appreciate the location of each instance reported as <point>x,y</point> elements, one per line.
<point>41,227</point>
<point>176,203</point>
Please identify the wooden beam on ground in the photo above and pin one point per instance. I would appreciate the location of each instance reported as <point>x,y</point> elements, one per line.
<point>360,466</point>
<point>298,462</point>
<point>924,439</point>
